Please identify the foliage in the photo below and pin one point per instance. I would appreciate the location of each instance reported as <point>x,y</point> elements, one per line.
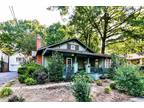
<point>56,67</point>
<point>113,85</point>
<point>128,79</point>
<point>99,82</point>
<point>6,91</point>
<point>28,69</point>
<point>15,98</point>
<point>82,75</point>
<point>40,75</point>
<point>22,78</point>
<point>55,33</point>
<point>107,22</point>
<point>108,90</point>
<point>32,73</point>
<point>20,35</point>
<point>81,88</point>
<point>30,81</point>
<point>116,61</point>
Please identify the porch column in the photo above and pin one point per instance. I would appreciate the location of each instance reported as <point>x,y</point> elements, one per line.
<point>141,61</point>
<point>75,64</point>
<point>88,65</point>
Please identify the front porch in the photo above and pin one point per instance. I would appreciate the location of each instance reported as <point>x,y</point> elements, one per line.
<point>92,65</point>
<point>75,62</point>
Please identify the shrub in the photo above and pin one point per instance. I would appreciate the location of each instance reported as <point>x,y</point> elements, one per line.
<point>81,89</point>
<point>6,91</point>
<point>16,99</point>
<point>113,85</point>
<point>28,69</point>
<point>99,82</point>
<point>56,67</point>
<point>22,70</point>
<point>82,75</point>
<point>116,62</point>
<point>108,90</point>
<point>128,79</point>
<point>41,75</point>
<point>30,81</point>
<point>31,70</point>
<point>22,78</point>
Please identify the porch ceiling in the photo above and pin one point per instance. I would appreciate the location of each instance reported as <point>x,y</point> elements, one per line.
<point>81,53</point>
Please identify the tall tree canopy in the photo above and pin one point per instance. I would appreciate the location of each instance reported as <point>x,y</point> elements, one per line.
<point>135,37</point>
<point>56,33</point>
<point>105,21</point>
<point>20,36</point>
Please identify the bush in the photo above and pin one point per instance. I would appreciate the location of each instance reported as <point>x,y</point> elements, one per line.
<point>116,62</point>
<point>16,99</point>
<point>41,75</point>
<point>82,75</point>
<point>31,70</point>
<point>56,67</point>
<point>113,85</point>
<point>22,70</point>
<point>108,90</point>
<point>28,69</point>
<point>81,89</point>
<point>22,78</point>
<point>128,79</point>
<point>30,81</point>
<point>99,82</point>
<point>6,91</point>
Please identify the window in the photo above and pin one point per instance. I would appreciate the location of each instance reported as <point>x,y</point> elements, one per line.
<point>72,47</point>
<point>19,60</point>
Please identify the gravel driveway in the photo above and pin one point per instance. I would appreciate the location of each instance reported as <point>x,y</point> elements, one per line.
<point>7,76</point>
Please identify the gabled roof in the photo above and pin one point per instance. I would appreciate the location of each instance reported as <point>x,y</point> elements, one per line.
<point>52,48</point>
<point>75,52</point>
<point>40,50</point>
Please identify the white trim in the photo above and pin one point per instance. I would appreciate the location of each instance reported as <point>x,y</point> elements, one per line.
<point>67,61</point>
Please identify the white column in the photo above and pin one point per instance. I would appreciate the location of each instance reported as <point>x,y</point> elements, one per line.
<point>88,66</point>
<point>75,65</point>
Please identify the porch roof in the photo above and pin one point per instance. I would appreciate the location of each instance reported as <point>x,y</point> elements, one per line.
<point>48,50</point>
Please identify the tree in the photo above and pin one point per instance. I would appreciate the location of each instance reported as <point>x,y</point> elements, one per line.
<point>106,21</point>
<point>56,67</point>
<point>55,33</point>
<point>135,37</point>
<point>20,36</point>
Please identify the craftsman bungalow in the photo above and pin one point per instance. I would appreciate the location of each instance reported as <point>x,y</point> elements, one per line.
<point>76,55</point>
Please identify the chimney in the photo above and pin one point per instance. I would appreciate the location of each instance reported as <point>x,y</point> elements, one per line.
<point>38,42</point>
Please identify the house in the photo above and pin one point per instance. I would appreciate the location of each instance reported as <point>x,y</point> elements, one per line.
<point>15,61</point>
<point>4,60</point>
<point>76,55</point>
<point>136,58</point>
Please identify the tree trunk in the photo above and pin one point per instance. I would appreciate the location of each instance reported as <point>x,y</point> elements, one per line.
<point>103,47</point>
<point>89,41</point>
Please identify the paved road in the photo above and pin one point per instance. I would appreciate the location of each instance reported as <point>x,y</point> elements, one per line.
<point>7,76</point>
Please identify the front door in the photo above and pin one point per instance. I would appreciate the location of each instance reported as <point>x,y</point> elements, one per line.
<point>69,69</point>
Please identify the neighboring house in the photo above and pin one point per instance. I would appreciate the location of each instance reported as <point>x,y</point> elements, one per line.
<point>136,58</point>
<point>4,59</point>
<point>76,55</point>
<point>15,61</point>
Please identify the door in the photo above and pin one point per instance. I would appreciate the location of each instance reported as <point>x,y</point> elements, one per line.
<point>69,68</point>
<point>69,63</point>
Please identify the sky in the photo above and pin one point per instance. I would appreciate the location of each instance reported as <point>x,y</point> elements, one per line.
<point>29,9</point>
<point>36,9</point>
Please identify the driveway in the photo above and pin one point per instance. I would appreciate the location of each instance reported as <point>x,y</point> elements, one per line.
<point>7,76</point>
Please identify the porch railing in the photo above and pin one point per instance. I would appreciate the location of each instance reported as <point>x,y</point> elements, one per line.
<point>68,72</point>
<point>99,70</point>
